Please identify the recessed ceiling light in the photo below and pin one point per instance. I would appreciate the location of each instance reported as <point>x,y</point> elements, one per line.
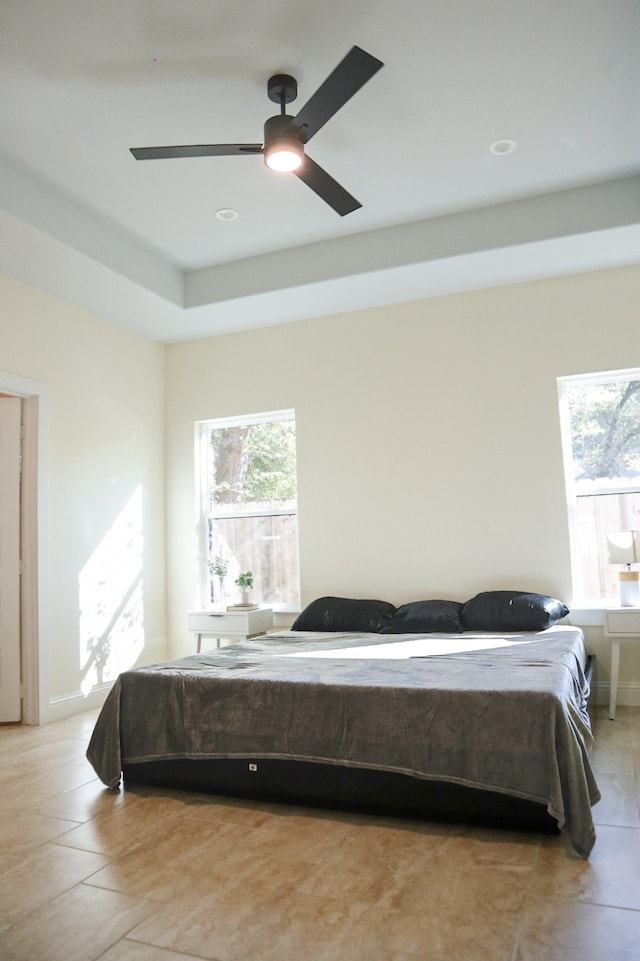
<point>227,213</point>
<point>501,147</point>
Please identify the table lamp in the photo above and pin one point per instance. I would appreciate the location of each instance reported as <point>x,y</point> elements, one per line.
<point>624,548</point>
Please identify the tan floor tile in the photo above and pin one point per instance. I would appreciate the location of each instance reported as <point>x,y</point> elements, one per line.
<point>486,845</point>
<point>618,732</point>
<point>300,834</point>
<point>375,862</point>
<point>85,801</point>
<point>466,866</point>
<point>76,926</point>
<point>459,923</point>
<point>33,788</point>
<point>21,831</point>
<point>246,877</point>
<point>610,877</point>
<point>316,929</point>
<point>127,950</point>
<point>229,904</point>
<point>163,868</point>
<point>79,726</point>
<point>124,825</point>
<point>561,930</point>
<point>238,811</point>
<point>294,923</point>
<point>466,903</point>
<point>626,715</point>
<point>616,759</point>
<point>634,736</point>
<point>30,882</point>
<point>241,928</point>
<point>44,755</point>
<point>619,804</point>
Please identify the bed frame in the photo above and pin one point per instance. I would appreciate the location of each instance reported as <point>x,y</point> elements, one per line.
<point>343,788</point>
<point>350,788</point>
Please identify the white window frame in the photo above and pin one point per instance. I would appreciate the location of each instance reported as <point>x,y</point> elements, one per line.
<point>564,385</point>
<point>202,486</point>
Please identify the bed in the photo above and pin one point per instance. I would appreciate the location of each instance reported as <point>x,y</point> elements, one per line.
<point>474,725</point>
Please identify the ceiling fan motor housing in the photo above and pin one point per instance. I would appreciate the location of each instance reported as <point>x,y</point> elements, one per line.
<point>282,88</point>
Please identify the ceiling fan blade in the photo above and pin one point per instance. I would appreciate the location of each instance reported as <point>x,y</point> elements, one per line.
<point>348,77</point>
<point>196,150</point>
<point>326,187</point>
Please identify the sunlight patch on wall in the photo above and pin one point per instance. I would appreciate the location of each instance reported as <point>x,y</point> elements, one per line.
<point>110,589</point>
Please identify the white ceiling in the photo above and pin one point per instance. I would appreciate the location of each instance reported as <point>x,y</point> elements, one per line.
<point>139,243</point>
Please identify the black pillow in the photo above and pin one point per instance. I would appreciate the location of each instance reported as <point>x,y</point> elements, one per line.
<point>426,617</point>
<point>511,611</point>
<point>344,614</point>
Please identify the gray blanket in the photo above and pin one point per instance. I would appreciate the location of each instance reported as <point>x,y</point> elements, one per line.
<point>509,717</point>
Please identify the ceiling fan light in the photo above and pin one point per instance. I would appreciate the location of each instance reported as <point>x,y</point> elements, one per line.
<point>283,156</point>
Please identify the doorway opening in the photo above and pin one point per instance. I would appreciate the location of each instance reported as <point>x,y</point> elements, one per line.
<point>33,689</point>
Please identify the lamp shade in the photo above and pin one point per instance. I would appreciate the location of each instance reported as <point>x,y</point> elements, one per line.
<point>283,156</point>
<point>283,150</point>
<point>623,547</point>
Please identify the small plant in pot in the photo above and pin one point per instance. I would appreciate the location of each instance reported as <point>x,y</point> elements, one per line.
<point>245,583</point>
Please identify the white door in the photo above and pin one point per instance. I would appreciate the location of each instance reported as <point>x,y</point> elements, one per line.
<point>10,408</point>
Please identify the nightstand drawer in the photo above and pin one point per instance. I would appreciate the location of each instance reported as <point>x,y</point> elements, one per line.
<point>211,622</point>
<point>228,623</point>
<point>622,622</point>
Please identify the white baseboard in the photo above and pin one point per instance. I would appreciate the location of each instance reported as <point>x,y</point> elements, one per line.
<point>76,703</point>
<point>628,694</point>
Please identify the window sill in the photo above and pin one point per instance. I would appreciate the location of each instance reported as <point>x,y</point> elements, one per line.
<point>584,616</point>
<point>591,613</point>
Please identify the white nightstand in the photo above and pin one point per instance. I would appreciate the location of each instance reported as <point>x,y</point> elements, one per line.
<point>619,622</point>
<point>238,625</point>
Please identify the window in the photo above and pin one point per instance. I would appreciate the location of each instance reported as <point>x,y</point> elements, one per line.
<point>600,419</point>
<point>248,507</point>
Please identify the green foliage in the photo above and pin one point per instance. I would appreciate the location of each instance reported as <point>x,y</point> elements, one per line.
<point>245,581</point>
<point>605,429</point>
<point>220,565</point>
<point>255,463</point>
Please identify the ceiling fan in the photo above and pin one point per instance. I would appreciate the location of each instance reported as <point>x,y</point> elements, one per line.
<point>285,136</point>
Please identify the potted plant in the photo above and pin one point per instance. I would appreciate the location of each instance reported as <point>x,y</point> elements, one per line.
<point>219,567</point>
<point>245,583</point>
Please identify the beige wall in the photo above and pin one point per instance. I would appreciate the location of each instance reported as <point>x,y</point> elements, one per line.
<point>428,451</point>
<point>104,463</point>
<point>428,437</point>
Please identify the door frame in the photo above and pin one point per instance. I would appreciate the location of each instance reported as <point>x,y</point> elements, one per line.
<point>33,547</point>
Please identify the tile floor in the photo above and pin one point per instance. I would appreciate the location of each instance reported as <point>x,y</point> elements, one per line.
<point>145,875</point>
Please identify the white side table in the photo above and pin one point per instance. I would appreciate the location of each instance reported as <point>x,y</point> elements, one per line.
<point>237,625</point>
<point>619,623</point>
